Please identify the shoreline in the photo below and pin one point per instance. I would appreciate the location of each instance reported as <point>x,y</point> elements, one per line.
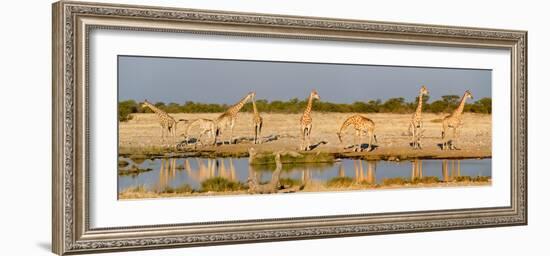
<point>132,195</point>
<point>241,151</point>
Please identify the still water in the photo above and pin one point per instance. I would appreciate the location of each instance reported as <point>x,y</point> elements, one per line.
<point>175,172</point>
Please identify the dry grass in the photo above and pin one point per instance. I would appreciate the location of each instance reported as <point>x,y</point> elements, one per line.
<point>313,186</point>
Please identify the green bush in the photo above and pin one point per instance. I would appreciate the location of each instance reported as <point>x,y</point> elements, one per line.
<point>125,109</point>
<point>446,104</point>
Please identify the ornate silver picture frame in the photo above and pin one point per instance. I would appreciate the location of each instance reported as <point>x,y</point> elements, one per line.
<point>74,21</point>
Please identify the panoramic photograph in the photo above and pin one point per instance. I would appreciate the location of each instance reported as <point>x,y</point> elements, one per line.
<point>212,127</point>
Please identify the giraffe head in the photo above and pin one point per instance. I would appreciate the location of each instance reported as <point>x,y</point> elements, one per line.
<point>145,103</point>
<point>339,134</point>
<point>314,95</point>
<point>468,94</point>
<point>250,96</point>
<point>424,90</point>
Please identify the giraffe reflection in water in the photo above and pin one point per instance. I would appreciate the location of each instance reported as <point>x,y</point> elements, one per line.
<point>210,168</point>
<point>361,175</point>
<point>416,169</point>
<point>205,169</point>
<point>167,173</point>
<point>193,171</point>
<point>455,169</point>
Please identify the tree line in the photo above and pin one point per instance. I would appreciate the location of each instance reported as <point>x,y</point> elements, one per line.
<point>446,104</point>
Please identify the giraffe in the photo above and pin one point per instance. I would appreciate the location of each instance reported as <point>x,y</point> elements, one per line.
<point>454,121</point>
<point>167,123</point>
<point>258,121</point>
<point>306,120</point>
<point>229,117</point>
<point>363,126</point>
<point>416,124</point>
<point>206,126</point>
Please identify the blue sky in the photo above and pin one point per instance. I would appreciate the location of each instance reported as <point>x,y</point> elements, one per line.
<point>225,81</point>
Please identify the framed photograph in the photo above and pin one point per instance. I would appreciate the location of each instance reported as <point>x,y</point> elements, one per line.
<point>179,127</point>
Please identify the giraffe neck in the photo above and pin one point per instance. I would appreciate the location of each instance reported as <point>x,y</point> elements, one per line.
<point>460,108</point>
<point>233,110</point>
<point>309,105</point>
<point>419,107</point>
<point>155,109</point>
<point>344,126</point>
<point>254,108</point>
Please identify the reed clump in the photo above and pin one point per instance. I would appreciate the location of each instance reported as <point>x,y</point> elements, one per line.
<point>394,181</point>
<point>340,182</point>
<point>183,189</point>
<point>221,184</point>
<point>426,180</point>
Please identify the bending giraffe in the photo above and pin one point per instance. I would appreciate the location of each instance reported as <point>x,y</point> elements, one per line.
<point>454,121</point>
<point>363,126</point>
<point>257,120</point>
<point>206,126</point>
<point>416,125</point>
<point>306,121</point>
<point>229,117</point>
<point>167,123</point>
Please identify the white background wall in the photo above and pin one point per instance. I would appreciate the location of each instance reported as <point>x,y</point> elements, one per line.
<point>25,140</point>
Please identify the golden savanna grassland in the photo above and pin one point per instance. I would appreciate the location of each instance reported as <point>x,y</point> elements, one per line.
<point>141,134</point>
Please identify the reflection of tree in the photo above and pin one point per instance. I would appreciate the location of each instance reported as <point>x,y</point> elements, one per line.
<point>254,185</point>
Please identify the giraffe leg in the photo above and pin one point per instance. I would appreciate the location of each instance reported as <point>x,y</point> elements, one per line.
<point>303,129</point>
<point>419,142</point>
<point>231,131</point>
<point>308,136</point>
<point>260,133</point>
<point>305,139</point>
<point>175,133</point>
<point>255,133</point>
<point>357,140</point>
<point>420,134</point>
<point>371,137</point>
<point>361,140</point>
<point>256,126</point>
<point>453,146</point>
<point>414,137</point>
<point>162,135</point>
<point>412,132</point>
<point>443,135</point>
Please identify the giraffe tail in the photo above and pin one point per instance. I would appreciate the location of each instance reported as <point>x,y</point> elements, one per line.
<point>375,139</point>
